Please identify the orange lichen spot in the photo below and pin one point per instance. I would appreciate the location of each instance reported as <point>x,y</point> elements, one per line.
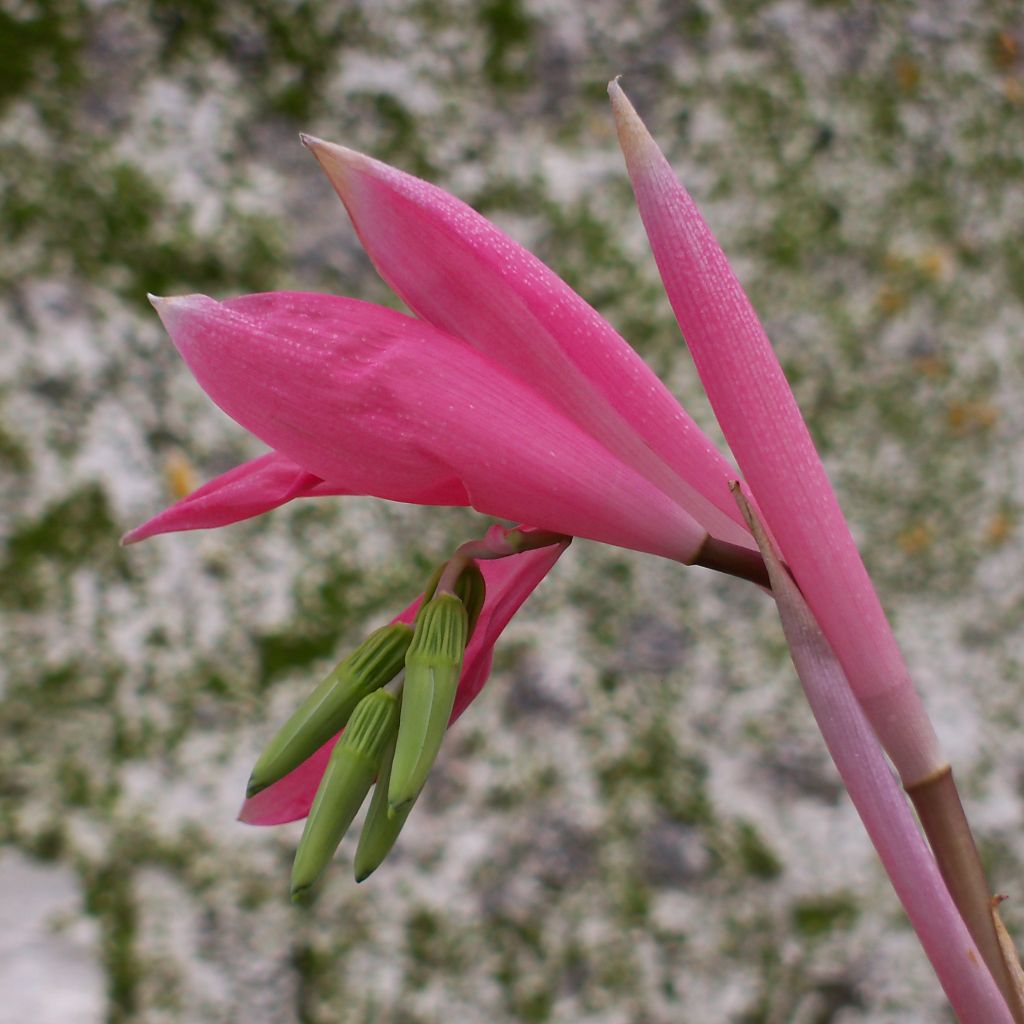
<point>998,529</point>
<point>891,299</point>
<point>908,74</point>
<point>934,367</point>
<point>179,475</point>
<point>916,539</point>
<point>936,263</point>
<point>1005,49</point>
<point>971,417</point>
<point>1013,90</point>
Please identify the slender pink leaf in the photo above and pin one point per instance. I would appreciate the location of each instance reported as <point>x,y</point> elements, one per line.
<point>883,808</point>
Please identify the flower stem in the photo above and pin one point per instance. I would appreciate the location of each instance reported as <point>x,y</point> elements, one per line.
<point>941,812</point>
<point>733,560</point>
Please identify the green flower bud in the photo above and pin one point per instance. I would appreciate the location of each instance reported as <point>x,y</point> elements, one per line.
<point>471,590</point>
<point>381,828</point>
<point>354,763</point>
<point>432,667</point>
<point>326,710</point>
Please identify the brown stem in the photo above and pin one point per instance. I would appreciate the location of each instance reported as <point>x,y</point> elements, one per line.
<point>733,560</point>
<point>945,824</point>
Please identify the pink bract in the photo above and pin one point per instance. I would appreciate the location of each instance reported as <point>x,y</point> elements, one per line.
<point>759,416</point>
<point>905,855</point>
<point>457,271</point>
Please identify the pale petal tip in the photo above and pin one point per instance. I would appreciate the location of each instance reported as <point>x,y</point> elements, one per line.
<point>245,815</point>
<point>338,162</point>
<point>634,138</point>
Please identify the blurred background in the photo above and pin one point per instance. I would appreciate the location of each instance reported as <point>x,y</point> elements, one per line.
<point>637,821</point>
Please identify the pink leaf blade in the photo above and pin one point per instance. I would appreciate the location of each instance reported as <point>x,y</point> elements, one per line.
<point>759,416</point>
<point>457,271</point>
<point>882,807</point>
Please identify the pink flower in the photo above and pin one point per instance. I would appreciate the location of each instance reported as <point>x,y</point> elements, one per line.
<point>390,406</point>
<point>510,581</point>
<point>508,393</point>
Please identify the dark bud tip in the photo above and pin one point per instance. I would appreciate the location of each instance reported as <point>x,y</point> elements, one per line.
<point>253,788</point>
<point>303,896</point>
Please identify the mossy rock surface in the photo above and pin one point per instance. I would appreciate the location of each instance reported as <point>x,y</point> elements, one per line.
<point>637,820</point>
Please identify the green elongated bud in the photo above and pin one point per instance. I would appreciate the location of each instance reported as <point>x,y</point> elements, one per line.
<point>432,667</point>
<point>354,763</point>
<point>470,588</point>
<point>381,828</point>
<point>325,711</point>
<point>472,591</point>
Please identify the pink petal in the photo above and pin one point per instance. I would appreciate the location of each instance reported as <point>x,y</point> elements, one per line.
<point>907,860</point>
<point>459,272</point>
<point>256,487</point>
<point>769,438</point>
<point>398,409</point>
<point>510,581</point>
<point>245,491</point>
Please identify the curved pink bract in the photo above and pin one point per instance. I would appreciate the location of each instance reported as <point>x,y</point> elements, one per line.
<point>760,419</point>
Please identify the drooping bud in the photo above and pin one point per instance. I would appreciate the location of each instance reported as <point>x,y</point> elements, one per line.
<point>432,666</point>
<point>326,710</point>
<point>354,763</point>
<point>471,590</point>
<point>381,828</point>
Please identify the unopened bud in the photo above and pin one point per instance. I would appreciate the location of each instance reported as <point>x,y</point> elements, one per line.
<point>432,668</point>
<point>353,765</point>
<point>382,826</point>
<point>324,713</point>
<point>471,589</point>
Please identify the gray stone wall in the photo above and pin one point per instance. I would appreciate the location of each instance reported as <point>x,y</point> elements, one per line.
<point>637,821</point>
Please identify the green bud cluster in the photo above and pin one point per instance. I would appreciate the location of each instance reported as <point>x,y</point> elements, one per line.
<point>327,709</point>
<point>392,738</point>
